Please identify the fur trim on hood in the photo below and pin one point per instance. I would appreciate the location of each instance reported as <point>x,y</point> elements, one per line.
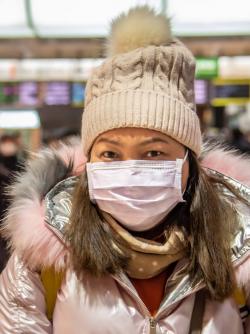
<point>25,226</point>
<point>228,162</point>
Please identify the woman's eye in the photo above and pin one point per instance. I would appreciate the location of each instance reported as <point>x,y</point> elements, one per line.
<point>109,155</point>
<point>153,154</point>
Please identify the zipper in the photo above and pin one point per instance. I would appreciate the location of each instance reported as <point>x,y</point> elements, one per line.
<point>152,325</point>
<point>132,293</point>
<point>144,309</point>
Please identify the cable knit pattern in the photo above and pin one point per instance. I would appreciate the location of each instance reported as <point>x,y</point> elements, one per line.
<point>149,87</point>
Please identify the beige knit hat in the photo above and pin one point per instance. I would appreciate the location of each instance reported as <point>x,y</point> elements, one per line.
<point>146,82</point>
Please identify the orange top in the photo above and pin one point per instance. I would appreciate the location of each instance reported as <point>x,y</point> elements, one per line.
<point>151,290</point>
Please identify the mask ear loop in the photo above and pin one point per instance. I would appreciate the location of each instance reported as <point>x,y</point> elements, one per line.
<point>185,157</point>
<point>184,160</point>
<point>178,175</point>
<point>90,183</point>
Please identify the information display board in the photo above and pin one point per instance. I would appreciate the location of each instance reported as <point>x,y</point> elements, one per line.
<point>206,67</point>
<point>78,91</point>
<point>241,91</point>
<point>8,93</point>
<point>201,91</point>
<point>57,93</point>
<point>28,93</point>
<point>226,92</point>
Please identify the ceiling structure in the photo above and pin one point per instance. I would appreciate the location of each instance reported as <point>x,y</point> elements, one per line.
<point>95,47</point>
<point>77,28</point>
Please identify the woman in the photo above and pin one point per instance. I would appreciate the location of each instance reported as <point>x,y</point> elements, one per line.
<point>143,239</point>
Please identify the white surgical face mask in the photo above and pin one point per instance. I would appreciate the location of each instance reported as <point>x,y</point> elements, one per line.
<point>137,193</point>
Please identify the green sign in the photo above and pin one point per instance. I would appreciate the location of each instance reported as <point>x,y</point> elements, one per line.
<point>206,68</point>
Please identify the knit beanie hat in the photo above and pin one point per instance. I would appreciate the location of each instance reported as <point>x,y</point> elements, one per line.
<point>147,81</point>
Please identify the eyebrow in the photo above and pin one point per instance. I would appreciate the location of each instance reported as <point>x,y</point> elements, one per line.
<point>109,141</point>
<point>143,143</point>
<point>154,140</point>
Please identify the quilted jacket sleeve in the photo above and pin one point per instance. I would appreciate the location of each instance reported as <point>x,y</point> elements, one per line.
<point>22,304</point>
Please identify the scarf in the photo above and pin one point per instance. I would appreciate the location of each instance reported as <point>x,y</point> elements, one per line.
<point>150,258</point>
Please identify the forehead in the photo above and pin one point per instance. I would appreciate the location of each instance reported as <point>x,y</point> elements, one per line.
<point>134,134</point>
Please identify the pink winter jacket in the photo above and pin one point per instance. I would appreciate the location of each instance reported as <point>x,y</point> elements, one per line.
<point>108,305</point>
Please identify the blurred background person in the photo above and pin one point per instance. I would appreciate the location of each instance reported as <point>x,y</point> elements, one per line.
<point>240,141</point>
<point>11,161</point>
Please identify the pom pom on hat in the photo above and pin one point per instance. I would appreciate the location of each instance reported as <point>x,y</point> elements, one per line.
<point>127,34</point>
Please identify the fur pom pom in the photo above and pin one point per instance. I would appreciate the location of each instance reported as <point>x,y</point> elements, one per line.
<point>140,27</point>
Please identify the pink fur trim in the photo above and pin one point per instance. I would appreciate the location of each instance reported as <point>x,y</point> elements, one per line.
<point>229,163</point>
<point>74,153</point>
<point>31,238</point>
<point>25,225</point>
